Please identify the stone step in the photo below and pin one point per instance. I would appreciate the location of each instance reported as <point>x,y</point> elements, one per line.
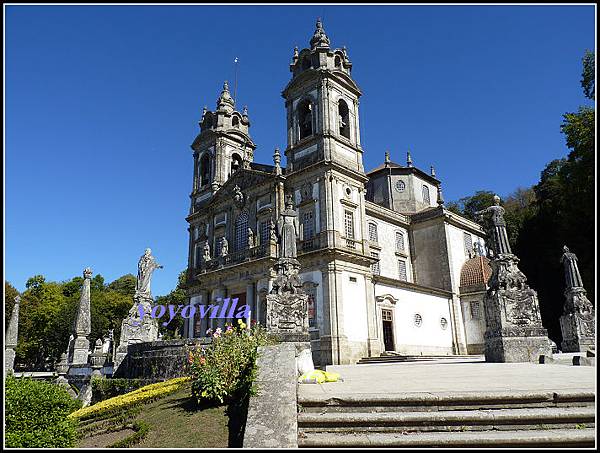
<point>443,401</point>
<point>394,358</point>
<point>470,420</point>
<point>565,438</point>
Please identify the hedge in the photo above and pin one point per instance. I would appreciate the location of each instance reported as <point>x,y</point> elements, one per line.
<point>37,414</point>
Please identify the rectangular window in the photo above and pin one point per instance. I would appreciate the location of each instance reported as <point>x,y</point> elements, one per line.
<point>399,242</point>
<point>197,256</point>
<point>402,270</point>
<point>386,315</point>
<point>264,229</point>
<point>375,266</point>
<point>308,224</point>
<point>475,310</point>
<point>349,224</point>
<point>373,233</point>
<point>426,199</point>
<point>468,244</point>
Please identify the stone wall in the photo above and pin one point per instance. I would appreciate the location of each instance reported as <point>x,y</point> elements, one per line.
<point>158,360</point>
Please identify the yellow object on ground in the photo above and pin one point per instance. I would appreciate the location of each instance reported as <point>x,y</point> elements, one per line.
<point>318,377</point>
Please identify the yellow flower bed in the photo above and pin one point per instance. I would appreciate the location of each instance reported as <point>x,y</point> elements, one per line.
<point>130,399</point>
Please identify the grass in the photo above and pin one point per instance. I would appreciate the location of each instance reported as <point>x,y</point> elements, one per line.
<point>175,421</point>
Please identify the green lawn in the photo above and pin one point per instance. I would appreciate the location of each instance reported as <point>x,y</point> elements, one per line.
<point>174,421</point>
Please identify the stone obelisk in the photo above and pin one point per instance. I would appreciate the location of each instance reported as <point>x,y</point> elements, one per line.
<point>83,326</point>
<point>10,338</point>
<point>514,331</point>
<point>577,321</point>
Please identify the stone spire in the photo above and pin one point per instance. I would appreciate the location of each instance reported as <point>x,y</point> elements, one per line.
<point>319,38</point>
<point>83,325</point>
<point>387,158</point>
<point>225,101</point>
<point>440,196</point>
<point>409,162</point>
<point>432,171</point>
<point>11,336</point>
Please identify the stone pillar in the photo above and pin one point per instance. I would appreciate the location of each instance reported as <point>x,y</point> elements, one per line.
<point>11,337</point>
<point>83,327</point>
<point>250,301</point>
<point>458,326</point>
<point>374,344</point>
<point>333,340</point>
<point>514,331</point>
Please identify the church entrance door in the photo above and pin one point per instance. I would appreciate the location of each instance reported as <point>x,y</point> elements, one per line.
<point>388,330</point>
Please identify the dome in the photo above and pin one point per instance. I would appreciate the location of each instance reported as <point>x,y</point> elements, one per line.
<point>475,272</point>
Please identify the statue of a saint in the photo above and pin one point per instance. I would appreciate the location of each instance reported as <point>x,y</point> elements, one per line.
<point>224,247</point>
<point>250,238</point>
<point>496,227</point>
<point>572,275</point>
<point>206,252</point>
<point>146,266</point>
<point>288,230</point>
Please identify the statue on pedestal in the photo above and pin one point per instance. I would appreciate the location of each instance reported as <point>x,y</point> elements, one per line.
<point>577,322</point>
<point>287,305</point>
<point>146,266</point>
<point>514,331</point>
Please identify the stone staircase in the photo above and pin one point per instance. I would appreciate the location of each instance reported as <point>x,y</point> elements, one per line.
<point>393,357</point>
<point>449,419</point>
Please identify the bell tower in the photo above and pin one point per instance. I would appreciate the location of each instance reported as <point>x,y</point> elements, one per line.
<point>322,107</point>
<point>222,147</point>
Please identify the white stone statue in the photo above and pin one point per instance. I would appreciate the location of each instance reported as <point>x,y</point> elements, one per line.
<point>146,266</point>
<point>288,230</point>
<point>206,252</point>
<point>224,247</point>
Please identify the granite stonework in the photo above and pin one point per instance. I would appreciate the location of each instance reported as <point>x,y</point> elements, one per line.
<point>577,322</point>
<point>514,331</point>
<point>10,338</point>
<point>135,328</point>
<point>80,348</point>
<point>158,360</point>
<point>272,420</point>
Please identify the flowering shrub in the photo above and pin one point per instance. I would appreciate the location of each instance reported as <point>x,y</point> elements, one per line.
<point>141,395</point>
<point>225,369</point>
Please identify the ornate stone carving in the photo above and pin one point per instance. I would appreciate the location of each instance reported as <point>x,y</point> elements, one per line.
<point>238,197</point>
<point>250,238</point>
<point>514,331</point>
<point>577,322</point>
<point>146,266</point>
<point>224,246</point>
<point>495,226</point>
<point>319,38</point>
<point>206,252</point>
<point>287,305</point>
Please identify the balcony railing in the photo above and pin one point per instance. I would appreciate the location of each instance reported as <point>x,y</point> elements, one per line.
<point>237,257</point>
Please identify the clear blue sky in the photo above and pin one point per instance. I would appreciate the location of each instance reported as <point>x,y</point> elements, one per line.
<point>102,103</point>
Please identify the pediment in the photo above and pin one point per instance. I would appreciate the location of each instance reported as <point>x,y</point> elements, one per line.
<point>246,180</point>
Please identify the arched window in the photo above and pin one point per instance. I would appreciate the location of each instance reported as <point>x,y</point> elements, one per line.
<point>426,195</point>
<point>305,119</point>
<point>338,61</point>
<point>343,118</point>
<point>241,231</point>
<point>204,170</point>
<point>235,122</point>
<point>236,163</point>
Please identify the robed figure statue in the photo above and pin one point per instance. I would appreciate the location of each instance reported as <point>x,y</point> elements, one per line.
<point>146,266</point>
<point>572,275</point>
<point>495,227</point>
<point>288,230</point>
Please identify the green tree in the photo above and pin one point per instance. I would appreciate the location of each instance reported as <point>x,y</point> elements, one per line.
<point>176,297</point>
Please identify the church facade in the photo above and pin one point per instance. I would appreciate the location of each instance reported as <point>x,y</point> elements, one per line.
<point>386,266</point>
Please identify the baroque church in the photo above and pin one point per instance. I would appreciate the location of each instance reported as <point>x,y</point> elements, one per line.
<point>386,266</point>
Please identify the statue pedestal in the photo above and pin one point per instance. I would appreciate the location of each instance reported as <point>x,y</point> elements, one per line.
<point>577,322</point>
<point>514,331</point>
<point>136,330</point>
<point>81,351</point>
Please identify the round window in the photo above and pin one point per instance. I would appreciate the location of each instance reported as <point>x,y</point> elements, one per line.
<point>418,320</point>
<point>444,323</point>
<point>400,186</point>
